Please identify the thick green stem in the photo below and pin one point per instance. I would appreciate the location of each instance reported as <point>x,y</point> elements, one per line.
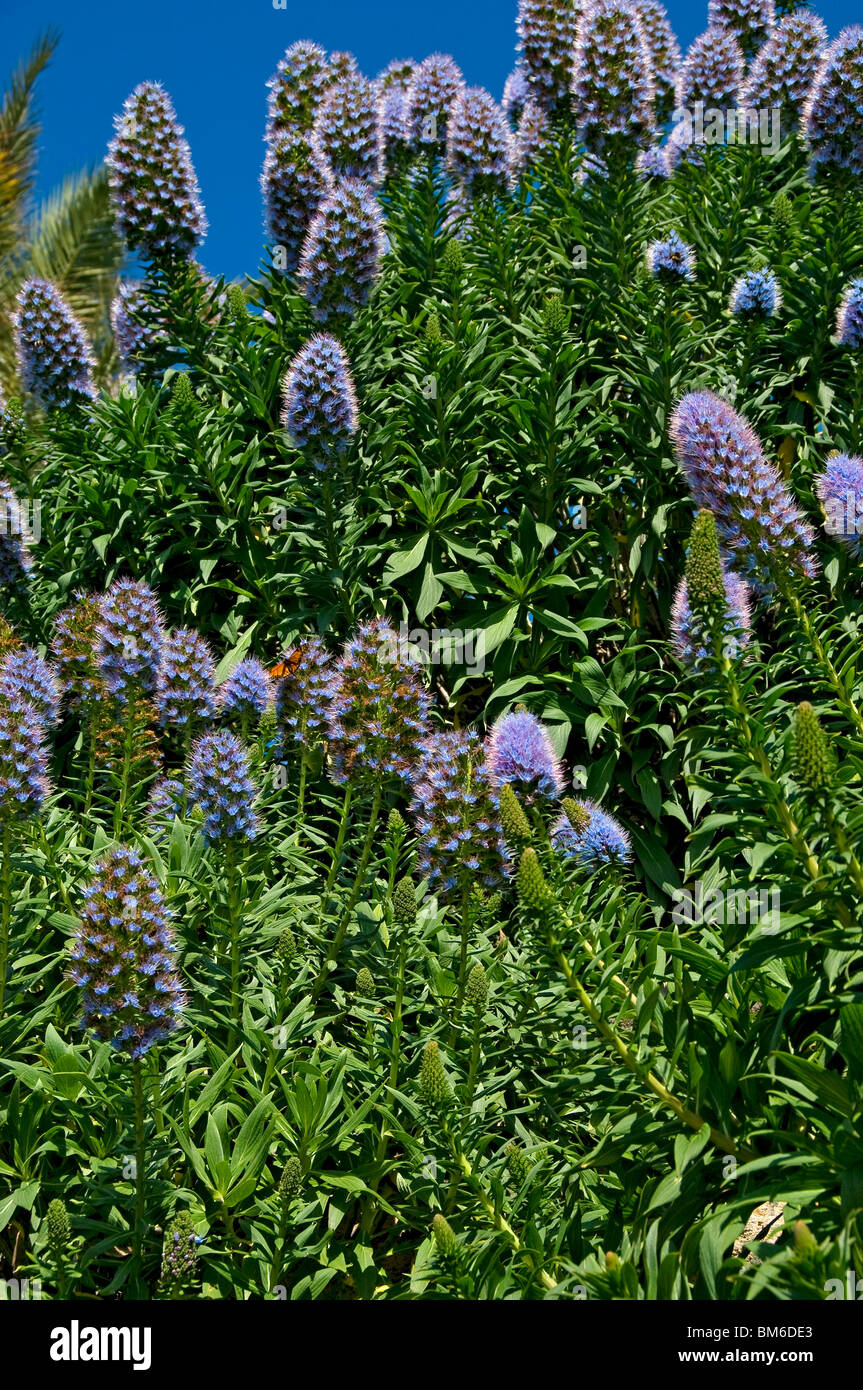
<point>5,910</point>
<point>140,1157</point>
<point>234,926</point>
<point>332,955</point>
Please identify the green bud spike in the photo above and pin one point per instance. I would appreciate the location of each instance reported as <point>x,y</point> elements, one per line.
<point>434,1082</point>
<point>814,760</point>
<point>518,1163</point>
<point>533,891</point>
<point>57,1221</point>
<point>476,989</point>
<point>555,316</point>
<point>182,394</point>
<point>804,1241</point>
<point>365,985</point>
<point>396,826</point>
<point>705,584</point>
<point>236,302</point>
<point>577,814</point>
<point>433,333</point>
<point>783,211</point>
<point>286,946</point>
<point>452,260</point>
<point>292,1178</point>
<point>514,822</point>
<point>405,902</point>
<point>444,1237</point>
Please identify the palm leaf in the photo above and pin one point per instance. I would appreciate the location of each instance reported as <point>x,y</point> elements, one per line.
<point>19,132</point>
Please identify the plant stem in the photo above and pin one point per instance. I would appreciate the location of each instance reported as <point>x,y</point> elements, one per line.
<point>140,1157</point>
<point>6,909</point>
<point>336,946</point>
<point>234,922</point>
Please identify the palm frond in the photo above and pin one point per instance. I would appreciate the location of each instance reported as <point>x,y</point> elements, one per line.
<point>19,133</point>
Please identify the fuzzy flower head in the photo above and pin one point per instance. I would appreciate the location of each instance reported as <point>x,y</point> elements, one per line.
<point>786,66</point>
<point>342,251</point>
<point>297,88</point>
<point>612,76</point>
<point>185,685</point>
<point>396,76</point>
<point>340,65</point>
<point>532,135</point>
<point>15,558</point>
<point>756,295</point>
<point>123,957</point>
<point>590,837</point>
<point>320,404</point>
<point>377,716</point>
<point>519,752</point>
<point>691,636</point>
<point>167,799</point>
<point>516,92</point>
<point>221,784</point>
<point>664,53</point>
<point>546,39</point>
<point>55,359</point>
<point>455,809</point>
<point>750,21</point>
<point>23,763</point>
<point>74,648</point>
<point>28,682</point>
<point>153,183</point>
<point>345,136</point>
<point>849,316</point>
<point>294,182</point>
<point>671,259</point>
<point>128,315</point>
<point>712,71</point>
<point>833,114</point>
<point>479,143</point>
<point>759,526</point>
<point>248,690</point>
<point>129,639</point>
<point>654,163</point>
<point>393,127</point>
<point>305,692</point>
<point>840,491</point>
<point>434,87</point>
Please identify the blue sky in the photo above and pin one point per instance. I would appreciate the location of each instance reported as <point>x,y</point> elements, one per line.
<point>214,57</point>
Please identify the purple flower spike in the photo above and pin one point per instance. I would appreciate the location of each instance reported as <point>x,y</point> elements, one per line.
<point>479,144</point>
<point>396,76</point>
<point>23,763</point>
<point>758,524</point>
<point>833,114</point>
<point>129,639</point>
<point>74,648</point>
<point>128,309</point>
<point>516,92</point>
<point>304,696</point>
<point>750,21</point>
<point>345,136</point>
<point>840,490</point>
<point>342,251</point>
<point>455,809</point>
<point>786,66</point>
<point>520,752</point>
<point>55,359</point>
<point>532,135</point>
<point>849,317</point>
<point>598,841</point>
<point>220,783</point>
<point>612,76</point>
<point>296,88</point>
<point>185,687</point>
<point>152,180</point>
<point>664,53</point>
<point>756,295</point>
<point>671,259</point>
<point>320,404</point>
<point>654,163</point>
<point>167,799</point>
<point>712,71</point>
<point>436,83</point>
<point>546,39</point>
<point>692,642</point>
<point>28,682</point>
<point>123,957</point>
<point>248,690</point>
<point>377,716</point>
<point>294,182</point>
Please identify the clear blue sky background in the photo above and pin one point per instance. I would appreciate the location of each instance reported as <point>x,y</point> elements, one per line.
<point>214,57</point>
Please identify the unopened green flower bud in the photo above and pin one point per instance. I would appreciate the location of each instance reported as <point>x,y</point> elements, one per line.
<point>514,822</point>
<point>365,985</point>
<point>533,891</point>
<point>286,946</point>
<point>434,1082</point>
<point>405,902</point>
<point>705,582</point>
<point>518,1163</point>
<point>555,316</point>
<point>236,302</point>
<point>57,1221</point>
<point>433,332</point>
<point>804,1241</point>
<point>444,1237</point>
<point>783,211</point>
<point>612,1261</point>
<point>396,827</point>
<point>476,989</point>
<point>814,761</point>
<point>576,813</point>
<point>452,260</point>
<point>182,395</point>
<point>292,1179</point>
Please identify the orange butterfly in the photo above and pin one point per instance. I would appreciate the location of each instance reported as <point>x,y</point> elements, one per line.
<point>289,666</point>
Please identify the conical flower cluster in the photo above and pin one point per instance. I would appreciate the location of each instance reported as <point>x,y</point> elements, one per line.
<point>23,763</point>
<point>654,163</point>
<point>479,144</point>
<point>342,251</point>
<point>27,682</point>
<point>294,182</point>
<point>532,135</point>
<point>546,33</point>
<point>671,259</point>
<point>455,810</point>
<point>759,526</point>
<point>185,685</point>
<point>590,836</point>
<point>392,128</point>
<point>304,695</point>
<point>692,637</point>
<point>396,76</point>
<point>297,88</point>
<point>813,757</point>
<point>756,295</point>
<point>320,404</point>
<point>712,71</point>
<point>434,87</point>
<point>849,316</point>
<point>519,752</point>
<point>221,784</point>
<point>840,491</point>
<point>123,957</point>
<point>129,639</point>
<point>750,21</point>
<point>152,180</point>
<point>248,691</point>
<point>786,66</point>
<point>74,648</point>
<point>516,92</point>
<point>378,712</point>
<point>664,53</point>
<point>612,76</point>
<point>345,135</point>
<point>55,360</point>
<point>833,114</point>
<point>128,312</point>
